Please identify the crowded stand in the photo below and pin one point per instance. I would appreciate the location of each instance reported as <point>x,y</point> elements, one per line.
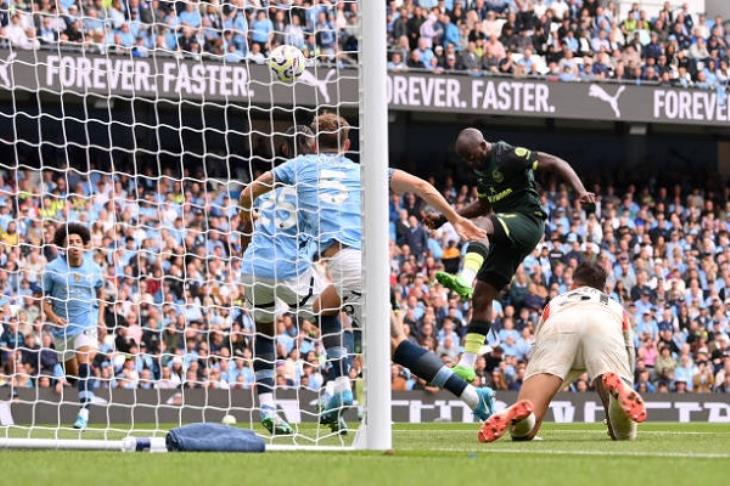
<point>566,40</point>
<point>175,314</point>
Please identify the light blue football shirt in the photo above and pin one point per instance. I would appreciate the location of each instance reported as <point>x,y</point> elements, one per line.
<point>278,249</point>
<point>73,294</point>
<point>328,191</point>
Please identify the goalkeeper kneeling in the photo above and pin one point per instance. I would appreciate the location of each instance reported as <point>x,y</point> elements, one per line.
<point>581,330</point>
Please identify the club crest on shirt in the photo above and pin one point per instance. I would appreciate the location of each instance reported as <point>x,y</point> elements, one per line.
<point>77,277</point>
<point>497,176</point>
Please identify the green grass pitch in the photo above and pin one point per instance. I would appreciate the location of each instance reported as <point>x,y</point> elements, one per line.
<point>434,454</point>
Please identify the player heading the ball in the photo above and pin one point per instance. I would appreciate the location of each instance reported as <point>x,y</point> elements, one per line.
<point>514,221</point>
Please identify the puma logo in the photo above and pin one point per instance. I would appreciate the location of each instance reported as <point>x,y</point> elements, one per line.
<point>321,84</point>
<point>5,71</point>
<point>597,91</point>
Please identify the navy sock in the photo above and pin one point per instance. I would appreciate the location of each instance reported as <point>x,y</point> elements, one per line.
<point>428,366</point>
<point>348,339</point>
<point>85,395</point>
<point>333,341</point>
<point>263,363</point>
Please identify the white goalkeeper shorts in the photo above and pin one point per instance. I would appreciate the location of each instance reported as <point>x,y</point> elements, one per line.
<point>270,297</point>
<point>67,346</point>
<point>345,270</point>
<point>577,341</point>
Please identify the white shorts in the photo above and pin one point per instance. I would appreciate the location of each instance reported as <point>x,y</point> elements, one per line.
<point>66,346</point>
<point>345,269</point>
<point>270,298</point>
<point>580,340</point>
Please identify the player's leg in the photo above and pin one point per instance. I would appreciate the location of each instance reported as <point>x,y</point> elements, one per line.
<point>328,308</point>
<point>524,418</point>
<point>513,237</point>
<point>426,365</point>
<point>496,272</point>
<point>554,355</point>
<point>476,254</point>
<point>261,294</point>
<point>308,296</point>
<point>607,359</point>
<point>345,269</point>
<point>85,345</point>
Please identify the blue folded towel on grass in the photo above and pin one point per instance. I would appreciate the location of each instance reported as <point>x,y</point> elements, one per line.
<point>213,438</point>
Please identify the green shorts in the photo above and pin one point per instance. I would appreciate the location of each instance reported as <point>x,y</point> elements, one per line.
<point>515,236</point>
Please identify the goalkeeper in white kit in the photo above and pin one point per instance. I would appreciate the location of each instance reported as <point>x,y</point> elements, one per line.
<point>580,330</point>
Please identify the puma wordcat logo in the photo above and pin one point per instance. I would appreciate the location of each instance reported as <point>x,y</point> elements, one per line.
<point>597,91</point>
<point>321,84</point>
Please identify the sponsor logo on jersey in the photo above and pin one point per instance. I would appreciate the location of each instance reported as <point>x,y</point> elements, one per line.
<point>500,195</point>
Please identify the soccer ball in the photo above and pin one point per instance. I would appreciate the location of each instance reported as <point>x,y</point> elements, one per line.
<point>286,63</point>
<point>229,420</point>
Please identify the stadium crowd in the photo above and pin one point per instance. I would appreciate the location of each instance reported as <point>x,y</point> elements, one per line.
<point>565,40</point>
<point>234,30</point>
<point>176,317</point>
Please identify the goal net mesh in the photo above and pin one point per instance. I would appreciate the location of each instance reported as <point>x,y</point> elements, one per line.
<point>143,121</point>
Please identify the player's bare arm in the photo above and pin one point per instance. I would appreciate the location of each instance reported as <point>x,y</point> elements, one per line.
<point>263,184</point>
<point>403,182</point>
<point>101,298</point>
<point>51,316</point>
<point>559,166</point>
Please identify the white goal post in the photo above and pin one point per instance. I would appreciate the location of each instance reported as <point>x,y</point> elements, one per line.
<point>145,128</point>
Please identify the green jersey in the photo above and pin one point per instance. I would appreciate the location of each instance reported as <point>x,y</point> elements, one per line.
<point>507,181</point>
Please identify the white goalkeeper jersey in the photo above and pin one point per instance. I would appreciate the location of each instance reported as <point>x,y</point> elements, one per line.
<point>583,297</point>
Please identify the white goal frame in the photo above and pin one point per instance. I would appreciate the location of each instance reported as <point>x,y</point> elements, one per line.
<point>375,433</point>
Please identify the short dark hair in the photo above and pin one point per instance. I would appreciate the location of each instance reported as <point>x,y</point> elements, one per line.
<point>62,232</point>
<point>591,275</point>
<point>297,141</point>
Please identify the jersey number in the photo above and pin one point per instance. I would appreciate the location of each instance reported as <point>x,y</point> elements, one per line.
<point>336,192</point>
<point>280,205</point>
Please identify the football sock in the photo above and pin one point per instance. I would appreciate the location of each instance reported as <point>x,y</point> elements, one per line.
<point>85,395</point>
<point>263,368</point>
<point>337,353</point>
<point>428,366</point>
<point>476,332</point>
<point>476,253</point>
<point>348,340</point>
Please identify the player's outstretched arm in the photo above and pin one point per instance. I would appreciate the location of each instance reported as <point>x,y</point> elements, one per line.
<point>559,166</point>
<point>404,182</point>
